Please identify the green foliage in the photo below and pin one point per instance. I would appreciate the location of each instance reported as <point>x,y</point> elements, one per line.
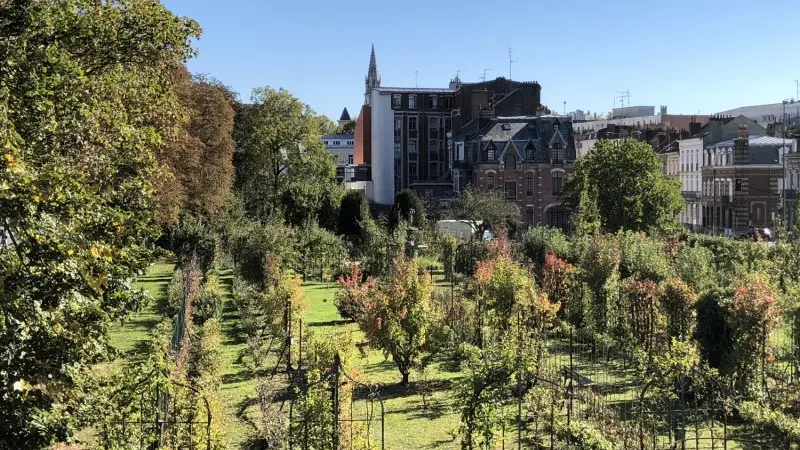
<point>632,192</point>
<point>538,242</point>
<point>449,246</point>
<point>193,240</point>
<point>256,249</point>
<point>174,293</point>
<point>84,111</point>
<point>678,303</point>
<point>582,435</point>
<point>771,419</point>
<point>714,332</point>
<point>353,212</point>
<point>469,254</point>
<point>404,202</point>
<point>642,257</point>
<point>488,207</point>
<point>320,252</point>
<point>209,305</point>
<point>284,169</point>
<point>694,265</point>
<point>397,319</point>
<point>587,216</point>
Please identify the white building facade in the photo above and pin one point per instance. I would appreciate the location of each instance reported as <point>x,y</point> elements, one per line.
<point>383,147</point>
<point>342,146</point>
<point>690,176</point>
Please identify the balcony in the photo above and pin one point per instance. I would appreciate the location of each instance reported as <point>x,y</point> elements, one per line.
<point>691,195</point>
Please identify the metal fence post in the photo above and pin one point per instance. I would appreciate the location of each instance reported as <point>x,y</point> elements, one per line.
<point>335,399</point>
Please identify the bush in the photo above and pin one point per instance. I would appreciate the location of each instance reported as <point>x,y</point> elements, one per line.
<point>694,265</point>
<point>192,239</point>
<point>353,210</point>
<point>257,249</point>
<point>469,254</point>
<point>355,291</point>
<point>210,304</point>
<point>541,241</point>
<point>448,245</point>
<point>642,257</point>
<point>174,293</point>
<point>714,332</point>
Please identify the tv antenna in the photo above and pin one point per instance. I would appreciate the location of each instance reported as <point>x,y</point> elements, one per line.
<point>459,71</point>
<point>416,78</point>
<point>484,74</point>
<point>623,95</point>
<point>510,62</point>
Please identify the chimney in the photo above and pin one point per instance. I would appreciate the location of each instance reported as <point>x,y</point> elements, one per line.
<point>663,110</point>
<point>694,127</point>
<point>744,132</point>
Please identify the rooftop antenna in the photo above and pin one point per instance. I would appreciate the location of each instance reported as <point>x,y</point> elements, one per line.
<point>484,74</point>
<point>797,89</point>
<point>416,78</point>
<point>459,71</point>
<point>510,62</point>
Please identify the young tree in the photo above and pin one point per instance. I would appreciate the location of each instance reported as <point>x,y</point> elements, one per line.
<point>587,215</point>
<point>284,167</point>
<point>398,318</point>
<point>86,104</point>
<point>632,191</point>
<point>352,214</point>
<point>485,210</point>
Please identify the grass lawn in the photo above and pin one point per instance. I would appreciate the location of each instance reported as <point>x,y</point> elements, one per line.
<point>129,338</point>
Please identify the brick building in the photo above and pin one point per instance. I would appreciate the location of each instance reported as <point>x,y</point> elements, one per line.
<point>528,158</point>
<point>740,182</point>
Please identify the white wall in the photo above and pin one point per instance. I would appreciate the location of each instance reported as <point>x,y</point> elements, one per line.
<point>594,125</point>
<point>366,186</point>
<point>382,148</point>
<point>690,176</point>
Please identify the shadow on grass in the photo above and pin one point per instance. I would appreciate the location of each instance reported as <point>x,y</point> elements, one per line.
<point>331,323</point>
<point>238,377</point>
<point>390,391</point>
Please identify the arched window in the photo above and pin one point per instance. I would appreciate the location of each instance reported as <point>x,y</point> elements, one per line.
<point>558,182</point>
<point>558,217</point>
<point>490,180</point>
<point>510,162</point>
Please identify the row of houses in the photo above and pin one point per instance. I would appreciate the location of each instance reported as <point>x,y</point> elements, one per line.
<point>496,134</point>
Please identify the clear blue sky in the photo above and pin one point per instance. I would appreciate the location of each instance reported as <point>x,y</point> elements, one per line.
<point>688,55</point>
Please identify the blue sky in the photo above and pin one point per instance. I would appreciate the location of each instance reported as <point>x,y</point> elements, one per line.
<point>693,56</point>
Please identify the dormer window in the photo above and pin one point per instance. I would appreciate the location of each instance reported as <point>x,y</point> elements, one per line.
<point>505,126</point>
<point>558,153</point>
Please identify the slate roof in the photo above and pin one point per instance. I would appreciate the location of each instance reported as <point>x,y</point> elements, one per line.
<point>761,149</point>
<point>536,133</point>
<point>345,115</point>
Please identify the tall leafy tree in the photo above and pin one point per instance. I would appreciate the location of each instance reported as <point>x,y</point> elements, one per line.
<point>199,166</point>
<point>283,168</point>
<point>632,191</point>
<point>87,104</point>
<point>485,210</point>
<point>404,202</point>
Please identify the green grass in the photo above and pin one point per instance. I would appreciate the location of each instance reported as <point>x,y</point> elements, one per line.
<point>130,337</point>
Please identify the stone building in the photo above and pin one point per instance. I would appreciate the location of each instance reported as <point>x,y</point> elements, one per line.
<point>528,158</point>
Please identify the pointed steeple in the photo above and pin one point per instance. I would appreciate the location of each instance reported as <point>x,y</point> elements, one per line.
<point>372,80</point>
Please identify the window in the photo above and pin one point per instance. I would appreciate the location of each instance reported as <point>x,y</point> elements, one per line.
<point>397,148</point>
<point>529,153</point>
<point>459,151</point>
<point>434,168</point>
<point>510,162</point>
<point>448,124</point>
<point>511,190</point>
<point>558,217</point>
<point>490,180</point>
<point>397,101</point>
<point>490,156</point>
<point>337,142</point>
<point>433,146</point>
<point>349,142</point>
<point>558,153</point>
<point>433,127</point>
<point>433,101</point>
<point>448,102</point>
<point>412,101</point>
<point>398,127</point>
<point>412,123</point>
<point>558,182</point>
<point>412,150</point>
<point>529,184</point>
<point>412,171</point>
<point>349,159</point>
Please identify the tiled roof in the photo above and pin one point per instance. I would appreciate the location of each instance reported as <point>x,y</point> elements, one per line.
<point>345,115</point>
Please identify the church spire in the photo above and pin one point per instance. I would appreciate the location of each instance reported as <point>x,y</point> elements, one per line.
<point>372,80</point>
